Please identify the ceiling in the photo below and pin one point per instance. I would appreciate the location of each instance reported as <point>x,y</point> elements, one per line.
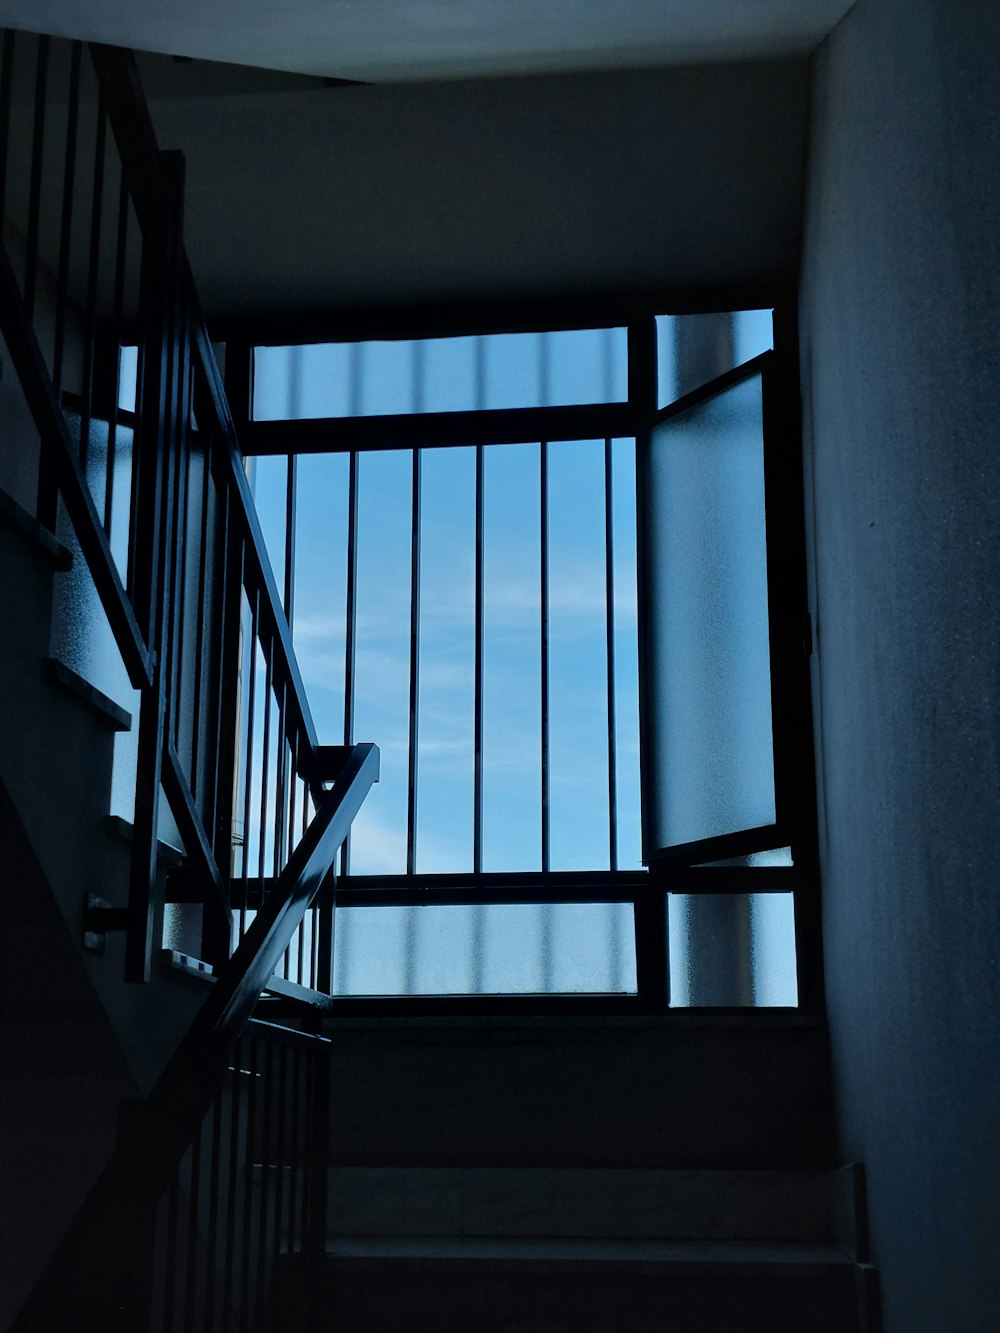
<point>404,40</point>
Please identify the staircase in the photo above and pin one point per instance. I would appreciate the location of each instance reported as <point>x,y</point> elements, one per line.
<point>597,1250</point>
<point>177,1163</point>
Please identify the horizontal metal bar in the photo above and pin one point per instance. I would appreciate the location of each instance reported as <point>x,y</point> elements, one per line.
<point>51,426</point>
<point>598,309</point>
<point>513,425</point>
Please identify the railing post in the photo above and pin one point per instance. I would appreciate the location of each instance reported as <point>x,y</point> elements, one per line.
<point>318,1150</point>
<point>156,447</point>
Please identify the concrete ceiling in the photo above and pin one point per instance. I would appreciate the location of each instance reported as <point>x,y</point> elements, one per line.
<point>403,40</point>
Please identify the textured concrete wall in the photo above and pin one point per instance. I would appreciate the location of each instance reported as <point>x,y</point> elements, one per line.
<point>901,349</point>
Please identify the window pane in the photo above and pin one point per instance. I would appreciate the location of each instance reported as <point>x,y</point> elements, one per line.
<point>500,370</point>
<point>382,663</point>
<point>447,660</point>
<point>320,620</point>
<point>578,657</point>
<point>732,949</point>
<point>708,715</point>
<point>511,660</point>
<point>269,483</point>
<point>693,349</point>
<point>500,949</point>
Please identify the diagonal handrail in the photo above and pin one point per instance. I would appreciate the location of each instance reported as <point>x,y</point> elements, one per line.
<point>86,1280</point>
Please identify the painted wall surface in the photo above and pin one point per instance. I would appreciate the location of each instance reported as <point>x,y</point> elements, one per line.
<point>901,350</point>
<point>303,199</point>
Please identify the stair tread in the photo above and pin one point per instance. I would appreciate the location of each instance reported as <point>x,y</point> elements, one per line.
<point>558,1251</point>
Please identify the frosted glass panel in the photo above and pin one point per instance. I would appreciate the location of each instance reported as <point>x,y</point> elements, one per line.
<point>709,696</point>
<point>507,949</point>
<point>692,350</point>
<point>440,374</point>
<point>732,949</point>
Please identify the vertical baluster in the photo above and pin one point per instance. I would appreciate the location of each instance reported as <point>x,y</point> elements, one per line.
<point>294,1152</point>
<point>212,1242</point>
<point>202,621</point>
<point>170,1264</point>
<point>35,186</point>
<point>281,1156</point>
<point>248,771</point>
<point>266,1155</point>
<point>6,84</point>
<point>179,676</point>
<point>93,273</point>
<point>318,1152</point>
<point>238,1100</point>
<point>609,598</point>
<point>66,223</point>
<point>264,767</point>
<point>252,1139</point>
<point>194,1202</point>
<point>121,241</point>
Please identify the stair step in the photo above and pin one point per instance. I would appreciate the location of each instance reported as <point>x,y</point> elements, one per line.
<point>453,1285</point>
<point>807,1207</point>
<point>563,1254</point>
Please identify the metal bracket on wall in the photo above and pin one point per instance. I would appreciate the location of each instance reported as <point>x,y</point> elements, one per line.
<point>99,918</point>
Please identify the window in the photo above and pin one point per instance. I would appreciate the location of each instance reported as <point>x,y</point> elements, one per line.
<point>485,542</point>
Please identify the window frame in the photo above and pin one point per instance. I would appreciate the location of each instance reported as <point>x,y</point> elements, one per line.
<point>682,870</point>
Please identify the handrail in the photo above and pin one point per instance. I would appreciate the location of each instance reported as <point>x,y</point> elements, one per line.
<point>160,1130</point>
<point>261,572</point>
<point>51,426</point>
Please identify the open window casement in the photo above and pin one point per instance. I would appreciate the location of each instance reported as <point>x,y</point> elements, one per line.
<point>707,717</point>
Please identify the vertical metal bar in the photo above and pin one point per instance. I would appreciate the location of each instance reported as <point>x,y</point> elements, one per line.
<point>232,1194</point>
<point>411,798</point>
<point>280,1153</point>
<point>280,779</point>
<point>199,639</point>
<point>295,1151</point>
<point>93,271</point>
<point>6,83</point>
<point>182,525</point>
<point>325,922</point>
<point>121,242</point>
<point>477,776</point>
<point>246,1248</point>
<point>290,510</point>
<point>543,528</point>
<point>351,628</point>
<point>318,1151</point>
<point>248,772</point>
<point>66,224</point>
<point>652,979</point>
<point>151,586</point>
<point>609,605</point>
<point>170,1266</point>
<point>212,1239</point>
<point>267,1094</point>
<point>35,187</point>
<point>265,758</point>
<point>194,1193</point>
